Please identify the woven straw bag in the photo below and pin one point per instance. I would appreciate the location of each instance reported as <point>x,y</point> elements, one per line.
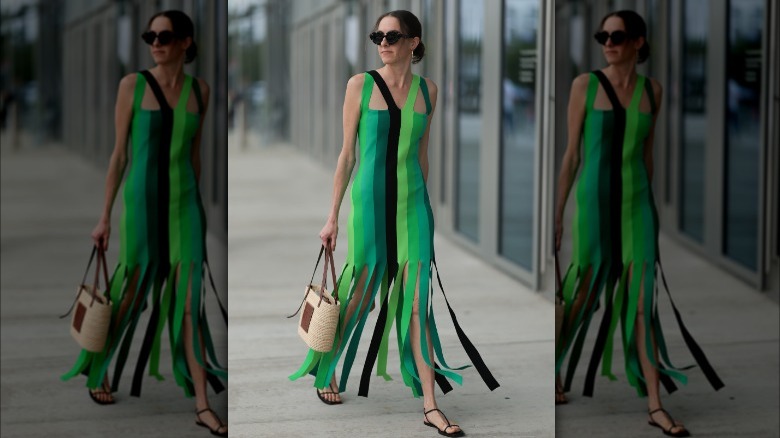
<point>320,316</point>
<point>90,322</point>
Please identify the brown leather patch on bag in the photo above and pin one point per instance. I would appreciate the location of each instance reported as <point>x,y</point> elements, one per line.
<point>308,312</point>
<point>78,318</point>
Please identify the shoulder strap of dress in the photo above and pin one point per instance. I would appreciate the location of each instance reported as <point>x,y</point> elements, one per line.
<point>593,88</point>
<point>383,88</point>
<point>158,93</point>
<point>609,90</point>
<point>198,97</point>
<point>140,89</point>
<point>424,89</point>
<point>365,95</point>
<point>650,95</point>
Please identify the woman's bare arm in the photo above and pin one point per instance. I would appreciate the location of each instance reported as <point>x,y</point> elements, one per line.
<point>648,151</point>
<point>571,157</point>
<point>196,162</point>
<point>347,159</point>
<point>433,92</point>
<point>123,114</point>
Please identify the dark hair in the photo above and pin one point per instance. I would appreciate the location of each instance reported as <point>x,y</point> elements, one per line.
<point>635,28</point>
<point>182,28</point>
<point>411,26</point>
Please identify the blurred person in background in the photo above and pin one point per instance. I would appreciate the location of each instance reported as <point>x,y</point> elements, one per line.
<point>615,226</point>
<point>162,229</point>
<point>390,237</point>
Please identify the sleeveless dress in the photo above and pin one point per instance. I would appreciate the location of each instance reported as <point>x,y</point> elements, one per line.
<point>162,230</point>
<point>390,228</point>
<point>615,230</point>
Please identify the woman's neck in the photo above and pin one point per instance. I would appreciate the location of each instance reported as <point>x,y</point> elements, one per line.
<point>169,75</point>
<point>396,75</point>
<point>622,75</point>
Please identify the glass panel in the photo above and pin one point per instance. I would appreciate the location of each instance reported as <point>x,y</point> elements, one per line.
<point>516,221</point>
<point>746,21</point>
<point>694,118</point>
<point>470,27</point>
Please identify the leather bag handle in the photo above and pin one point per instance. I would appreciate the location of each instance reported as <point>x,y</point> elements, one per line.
<point>101,260</point>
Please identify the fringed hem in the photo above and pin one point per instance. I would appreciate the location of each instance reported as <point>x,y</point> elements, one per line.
<point>397,305</point>
<point>621,303</point>
<point>167,305</point>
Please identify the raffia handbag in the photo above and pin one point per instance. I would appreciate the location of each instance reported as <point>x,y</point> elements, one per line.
<point>92,317</point>
<point>320,316</point>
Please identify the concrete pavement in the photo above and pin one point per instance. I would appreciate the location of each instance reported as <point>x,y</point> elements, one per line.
<point>278,201</point>
<point>51,200</point>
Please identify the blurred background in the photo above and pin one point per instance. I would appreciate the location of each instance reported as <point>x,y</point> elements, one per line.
<point>716,147</point>
<point>490,174</point>
<point>61,64</point>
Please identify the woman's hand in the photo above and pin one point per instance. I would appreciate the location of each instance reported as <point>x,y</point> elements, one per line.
<point>329,234</point>
<point>101,234</point>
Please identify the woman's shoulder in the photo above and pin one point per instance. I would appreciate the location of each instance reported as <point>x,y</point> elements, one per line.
<point>202,84</point>
<point>432,87</point>
<point>357,81</point>
<point>657,88</point>
<point>581,81</point>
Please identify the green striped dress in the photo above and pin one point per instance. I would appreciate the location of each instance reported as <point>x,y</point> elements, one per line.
<point>390,228</point>
<point>615,230</point>
<point>162,230</point>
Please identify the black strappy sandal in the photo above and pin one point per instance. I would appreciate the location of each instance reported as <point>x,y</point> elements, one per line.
<point>216,431</point>
<point>95,396</point>
<point>442,431</point>
<point>668,432</point>
<point>321,395</point>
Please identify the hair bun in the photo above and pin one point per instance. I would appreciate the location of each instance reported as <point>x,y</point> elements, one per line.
<point>418,53</point>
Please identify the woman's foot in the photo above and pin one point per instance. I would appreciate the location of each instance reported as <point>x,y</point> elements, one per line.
<point>102,395</point>
<point>433,417</point>
<point>560,395</point>
<point>330,395</point>
<point>661,419</point>
<point>209,419</point>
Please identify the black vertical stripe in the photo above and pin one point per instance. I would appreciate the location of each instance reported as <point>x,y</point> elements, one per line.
<point>615,173</point>
<point>162,243</point>
<point>391,174</point>
<point>615,238</point>
<point>391,237</point>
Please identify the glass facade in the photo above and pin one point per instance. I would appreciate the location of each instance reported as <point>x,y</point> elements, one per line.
<point>471,30</point>
<point>694,118</point>
<point>518,146</point>
<point>743,130</point>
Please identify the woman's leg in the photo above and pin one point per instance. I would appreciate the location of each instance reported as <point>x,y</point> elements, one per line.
<point>197,372</point>
<point>352,306</point>
<point>648,370</point>
<point>425,372</point>
<point>104,392</point>
<point>580,299</point>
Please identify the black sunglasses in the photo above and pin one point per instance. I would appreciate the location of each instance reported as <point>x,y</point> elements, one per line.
<point>392,37</point>
<point>165,37</point>
<point>618,37</point>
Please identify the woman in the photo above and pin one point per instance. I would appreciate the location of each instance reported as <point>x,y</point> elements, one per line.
<point>615,236</point>
<point>390,227</point>
<point>162,230</point>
